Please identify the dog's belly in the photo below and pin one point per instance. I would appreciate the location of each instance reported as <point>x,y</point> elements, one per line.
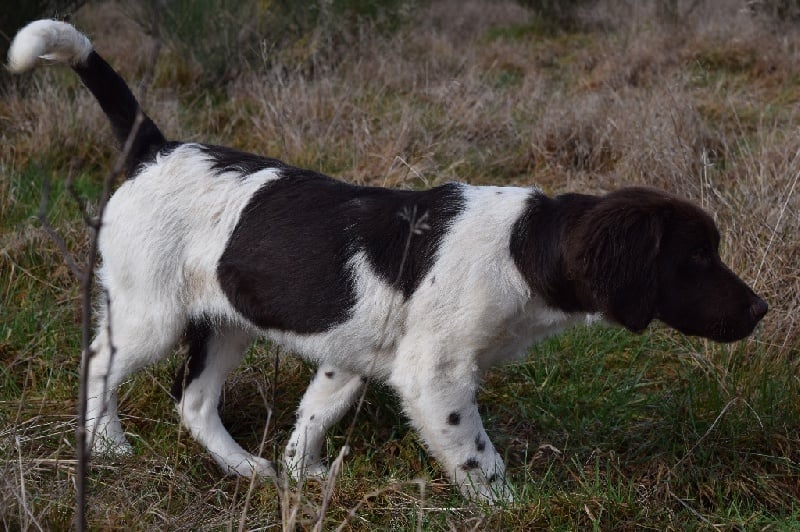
<point>367,341</point>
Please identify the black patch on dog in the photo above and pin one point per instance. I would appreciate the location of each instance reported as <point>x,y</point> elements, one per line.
<point>470,464</point>
<point>286,264</point>
<point>121,108</point>
<point>330,374</point>
<point>226,159</point>
<point>197,335</point>
<point>454,418</point>
<point>537,247</point>
<point>390,219</point>
<point>480,445</point>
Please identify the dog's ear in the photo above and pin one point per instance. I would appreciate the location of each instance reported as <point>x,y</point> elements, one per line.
<point>613,254</point>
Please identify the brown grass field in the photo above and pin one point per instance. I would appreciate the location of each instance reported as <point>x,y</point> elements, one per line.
<point>602,429</point>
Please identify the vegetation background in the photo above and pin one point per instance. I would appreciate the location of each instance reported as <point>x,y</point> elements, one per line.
<point>601,428</point>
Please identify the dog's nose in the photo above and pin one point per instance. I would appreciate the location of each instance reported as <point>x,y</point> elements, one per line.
<point>758,309</point>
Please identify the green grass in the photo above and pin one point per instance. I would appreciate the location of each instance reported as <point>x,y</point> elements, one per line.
<point>632,419</point>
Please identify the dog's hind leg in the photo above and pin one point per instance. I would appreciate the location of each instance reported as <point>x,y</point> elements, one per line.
<point>213,353</point>
<point>326,400</point>
<point>127,341</point>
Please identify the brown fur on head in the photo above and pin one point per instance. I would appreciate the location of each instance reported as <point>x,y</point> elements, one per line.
<point>643,254</point>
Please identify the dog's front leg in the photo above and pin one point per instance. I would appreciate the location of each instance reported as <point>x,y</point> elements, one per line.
<point>438,394</point>
<point>329,396</point>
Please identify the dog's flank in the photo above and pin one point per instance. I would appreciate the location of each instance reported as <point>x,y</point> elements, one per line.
<point>220,247</point>
<point>333,220</point>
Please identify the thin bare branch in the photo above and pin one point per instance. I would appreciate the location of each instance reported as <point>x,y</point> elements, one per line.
<point>54,235</point>
<point>416,226</point>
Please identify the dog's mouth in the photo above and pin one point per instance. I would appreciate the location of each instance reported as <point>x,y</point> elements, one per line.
<point>726,334</point>
<point>722,329</point>
<point>730,329</point>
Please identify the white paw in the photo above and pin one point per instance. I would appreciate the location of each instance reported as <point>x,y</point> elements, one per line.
<point>316,470</point>
<point>496,493</point>
<point>300,467</point>
<point>110,446</point>
<point>246,465</point>
<point>490,487</point>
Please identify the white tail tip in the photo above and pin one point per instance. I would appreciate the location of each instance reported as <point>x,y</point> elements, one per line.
<point>49,40</point>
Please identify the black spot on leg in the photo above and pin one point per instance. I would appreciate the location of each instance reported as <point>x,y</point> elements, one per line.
<point>330,374</point>
<point>492,478</point>
<point>470,464</point>
<point>311,418</point>
<point>364,379</point>
<point>291,452</point>
<point>454,418</point>
<point>480,445</point>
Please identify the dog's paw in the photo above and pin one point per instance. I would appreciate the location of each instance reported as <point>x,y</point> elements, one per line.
<point>497,493</point>
<point>485,483</point>
<point>317,470</point>
<point>103,446</point>
<point>246,465</point>
<point>300,467</point>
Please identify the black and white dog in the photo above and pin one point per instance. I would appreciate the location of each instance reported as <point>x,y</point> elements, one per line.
<point>423,290</point>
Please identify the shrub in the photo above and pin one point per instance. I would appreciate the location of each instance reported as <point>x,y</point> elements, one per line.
<point>778,10</point>
<point>557,14</point>
<point>223,36</point>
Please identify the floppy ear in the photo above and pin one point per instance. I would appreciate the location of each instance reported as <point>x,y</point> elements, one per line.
<point>613,253</point>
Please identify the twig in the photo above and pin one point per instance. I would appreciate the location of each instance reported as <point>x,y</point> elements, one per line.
<point>416,226</point>
<point>52,233</point>
<point>692,510</point>
<point>23,500</point>
<point>275,368</point>
<point>330,483</point>
<point>86,301</point>
<point>788,197</point>
<point>69,184</point>
<point>86,326</point>
<point>254,476</point>
<point>393,487</point>
<point>705,435</point>
<point>413,170</point>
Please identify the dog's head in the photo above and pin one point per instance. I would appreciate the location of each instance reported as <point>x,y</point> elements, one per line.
<point>642,254</point>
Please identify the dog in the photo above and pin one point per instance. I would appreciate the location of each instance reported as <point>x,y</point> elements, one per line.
<point>423,290</point>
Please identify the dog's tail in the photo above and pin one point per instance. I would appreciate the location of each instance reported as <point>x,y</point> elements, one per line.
<point>51,40</point>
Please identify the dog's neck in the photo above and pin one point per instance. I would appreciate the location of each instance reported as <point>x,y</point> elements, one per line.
<point>538,247</point>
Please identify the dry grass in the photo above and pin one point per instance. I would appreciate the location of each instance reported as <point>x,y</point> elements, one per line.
<point>470,93</point>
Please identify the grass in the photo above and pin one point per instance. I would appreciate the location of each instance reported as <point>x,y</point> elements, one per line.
<point>601,429</point>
